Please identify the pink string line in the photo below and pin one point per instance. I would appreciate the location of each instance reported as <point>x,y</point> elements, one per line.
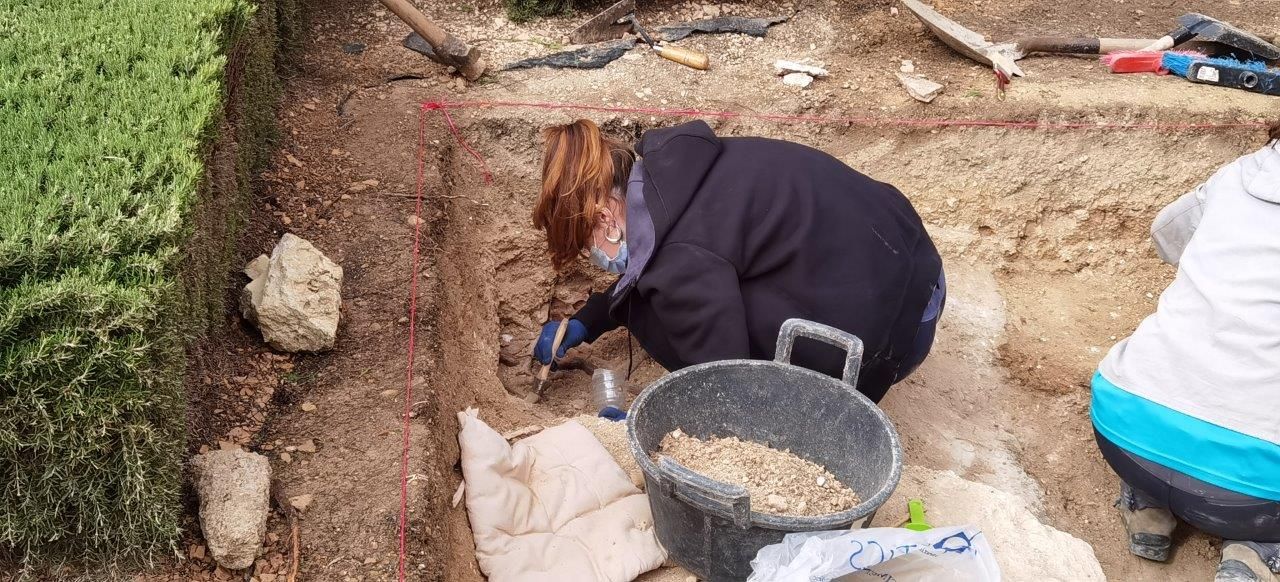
<point>413,325</point>
<point>444,106</point>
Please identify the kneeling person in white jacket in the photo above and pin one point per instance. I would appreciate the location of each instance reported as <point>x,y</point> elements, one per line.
<point>1187,409</point>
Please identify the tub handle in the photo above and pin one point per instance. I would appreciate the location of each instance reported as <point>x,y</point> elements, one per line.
<point>723,500</point>
<point>852,346</point>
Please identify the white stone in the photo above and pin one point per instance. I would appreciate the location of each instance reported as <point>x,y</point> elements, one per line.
<point>908,67</point>
<point>1025,548</point>
<point>300,304</point>
<point>919,88</point>
<point>800,80</point>
<point>234,488</point>
<point>788,67</point>
<point>302,502</point>
<point>251,295</point>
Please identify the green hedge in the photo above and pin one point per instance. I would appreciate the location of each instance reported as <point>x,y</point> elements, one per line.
<point>111,114</point>
<point>526,10</point>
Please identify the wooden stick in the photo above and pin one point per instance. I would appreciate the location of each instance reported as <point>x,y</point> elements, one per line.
<point>296,551</point>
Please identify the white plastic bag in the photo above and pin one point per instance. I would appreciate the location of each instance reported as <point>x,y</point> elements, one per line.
<point>943,554</point>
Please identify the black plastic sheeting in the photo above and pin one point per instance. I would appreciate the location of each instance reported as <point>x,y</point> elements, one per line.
<point>597,55</point>
<point>592,56</point>
<point>723,24</point>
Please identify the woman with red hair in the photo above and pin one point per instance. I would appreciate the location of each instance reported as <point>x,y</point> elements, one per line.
<point>718,240</point>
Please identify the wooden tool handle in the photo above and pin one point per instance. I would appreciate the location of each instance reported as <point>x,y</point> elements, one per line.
<point>684,56</point>
<point>555,347</point>
<point>1081,45</point>
<point>1107,46</point>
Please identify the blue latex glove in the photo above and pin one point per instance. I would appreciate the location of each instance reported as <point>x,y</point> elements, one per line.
<point>574,336</point>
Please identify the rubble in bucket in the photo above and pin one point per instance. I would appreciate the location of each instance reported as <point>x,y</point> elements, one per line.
<point>783,483</point>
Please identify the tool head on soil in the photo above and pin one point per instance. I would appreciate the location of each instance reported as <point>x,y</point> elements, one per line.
<point>965,41</point>
<point>448,49</point>
<point>1198,26</point>
<point>607,25</point>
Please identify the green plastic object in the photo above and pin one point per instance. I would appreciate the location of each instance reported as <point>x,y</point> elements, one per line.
<point>915,509</point>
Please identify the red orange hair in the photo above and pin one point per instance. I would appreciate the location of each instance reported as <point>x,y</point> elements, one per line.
<point>581,168</point>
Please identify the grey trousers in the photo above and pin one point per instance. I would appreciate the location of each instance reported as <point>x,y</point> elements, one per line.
<point>1211,509</point>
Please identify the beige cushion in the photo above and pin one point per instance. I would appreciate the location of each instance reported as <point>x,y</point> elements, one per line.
<point>553,507</point>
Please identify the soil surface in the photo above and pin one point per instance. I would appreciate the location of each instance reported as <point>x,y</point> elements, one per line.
<point>1044,234</point>
<point>778,481</point>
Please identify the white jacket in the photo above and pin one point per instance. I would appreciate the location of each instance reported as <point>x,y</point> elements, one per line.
<point>1211,351</point>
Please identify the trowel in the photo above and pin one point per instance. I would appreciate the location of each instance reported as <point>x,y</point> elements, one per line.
<point>543,378</point>
<point>619,20</point>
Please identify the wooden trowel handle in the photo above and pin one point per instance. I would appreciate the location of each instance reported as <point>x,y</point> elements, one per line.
<point>555,347</point>
<point>684,56</point>
<point>1081,45</point>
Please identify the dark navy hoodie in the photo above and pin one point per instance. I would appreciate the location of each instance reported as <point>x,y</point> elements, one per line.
<point>749,232</point>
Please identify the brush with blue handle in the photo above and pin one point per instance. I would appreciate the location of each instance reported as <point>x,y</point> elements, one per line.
<point>1248,75</point>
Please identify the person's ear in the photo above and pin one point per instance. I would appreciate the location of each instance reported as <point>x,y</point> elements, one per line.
<point>604,217</point>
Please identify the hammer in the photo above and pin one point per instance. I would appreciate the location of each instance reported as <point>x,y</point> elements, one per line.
<point>447,47</point>
<point>1199,26</point>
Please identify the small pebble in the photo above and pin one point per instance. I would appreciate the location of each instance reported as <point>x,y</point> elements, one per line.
<point>301,502</point>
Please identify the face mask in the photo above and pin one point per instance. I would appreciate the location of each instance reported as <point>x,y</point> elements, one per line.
<point>616,265</point>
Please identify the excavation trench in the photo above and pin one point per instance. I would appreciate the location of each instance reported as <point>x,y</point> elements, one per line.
<point>1044,234</point>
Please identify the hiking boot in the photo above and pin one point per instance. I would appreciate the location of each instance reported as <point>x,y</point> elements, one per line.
<point>1241,562</point>
<point>1150,528</point>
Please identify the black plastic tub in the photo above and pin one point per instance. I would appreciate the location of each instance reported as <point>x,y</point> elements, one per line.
<point>708,527</point>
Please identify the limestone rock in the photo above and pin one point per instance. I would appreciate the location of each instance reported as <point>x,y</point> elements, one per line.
<point>788,67</point>
<point>251,295</point>
<point>234,488</point>
<point>800,80</point>
<point>302,502</point>
<point>1025,547</point>
<point>920,88</point>
<point>300,303</point>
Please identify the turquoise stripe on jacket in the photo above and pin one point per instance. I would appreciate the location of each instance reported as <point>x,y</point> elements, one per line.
<point>1211,453</point>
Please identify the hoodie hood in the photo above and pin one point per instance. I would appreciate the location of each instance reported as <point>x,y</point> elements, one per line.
<point>1261,174</point>
<point>676,162</point>
<point>673,164</point>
